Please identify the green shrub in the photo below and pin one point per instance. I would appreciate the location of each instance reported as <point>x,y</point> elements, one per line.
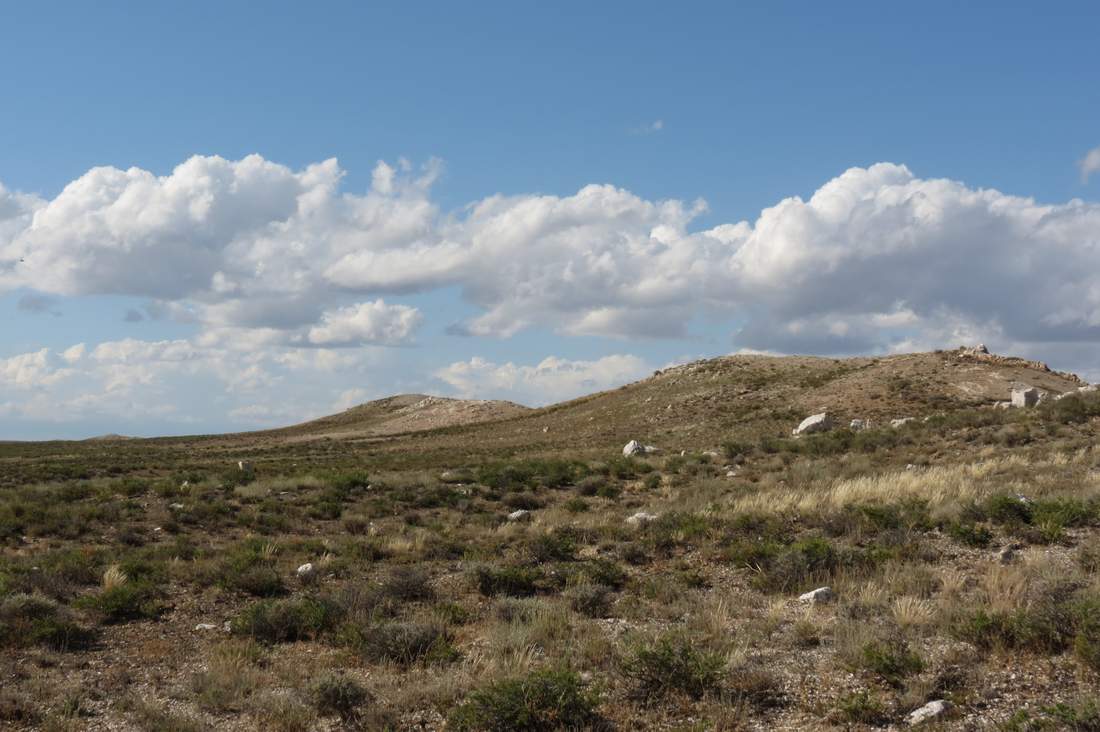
<point>970,534</point>
<point>860,708</point>
<point>591,600</point>
<point>336,694</point>
<point>408,584</point>
<point>891,660</point>
<point>510,581</point>
<point>542,701</point>
<point>557,546</point>
<point>1008,509</point>
<point>400,643</point>
<point>133,600</point>
<point>804,562</point>
<point>34,620</point>
<point>286,621</point>
<point>671,664</point>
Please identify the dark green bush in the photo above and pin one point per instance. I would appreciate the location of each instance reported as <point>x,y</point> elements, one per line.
<point>400,643</point>
<point>336,694</point>
<point>510,581</point>
<point>34,620</point>
<point>672,663</point>
<point>286,621</point>
<point>891,660</point>
<point>542,701</point>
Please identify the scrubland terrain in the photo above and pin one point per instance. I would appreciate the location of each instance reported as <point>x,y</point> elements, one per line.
<point>481,572</point>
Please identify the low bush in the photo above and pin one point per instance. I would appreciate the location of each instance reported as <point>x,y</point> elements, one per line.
<point>338,695</point>
<point>510,581</point>
<point>541,701</point>
<point>284,621</point>
<point>673,663</point>
<point>401,643</point>
<point>34,620</point>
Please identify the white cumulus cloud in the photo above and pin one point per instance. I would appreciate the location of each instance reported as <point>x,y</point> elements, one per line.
<point>1089,164</point>
<point>553,379</point>
<point>366,323</point>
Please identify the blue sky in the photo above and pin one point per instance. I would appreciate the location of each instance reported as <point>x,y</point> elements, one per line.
<point>986,114</point>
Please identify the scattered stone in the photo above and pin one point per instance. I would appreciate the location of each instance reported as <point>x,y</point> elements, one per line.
<point>204,627</point>
<point>1007,555</point>
<point>175,506</point>
<point>1025,396</point>
<point>709,454</point>
<point>519,515</point>
<point>895,423</point>
<point>244,466</point>
<point>931,711</point>
<point>814,423</point>
<point>819,596</point>
<point>185,484</point>
<point>858,425</point>
<point>641,519</point>
<point>910,467</point>
<point>633,448</point>
<point>455,476</point>
<point>306,572</point>
<point>1003,405</point>
<point>545,430</point>
<point>1024,499</point>
<point>731,474</point>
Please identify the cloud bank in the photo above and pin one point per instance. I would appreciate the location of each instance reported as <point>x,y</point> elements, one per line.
<point>288,267</point>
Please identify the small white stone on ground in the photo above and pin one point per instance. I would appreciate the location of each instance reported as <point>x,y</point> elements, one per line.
<point>895,423</point>
<point>930,711</point>
<point>814,423</point>
<point>641,518</point>
<point>819,596</point>
<point>205,626</point>
<point>858,425</point>
<point>633,448</point>
<point>306,571</point>
<point>519,515</point>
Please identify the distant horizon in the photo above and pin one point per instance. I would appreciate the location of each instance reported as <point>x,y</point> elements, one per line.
<point>329,205</point>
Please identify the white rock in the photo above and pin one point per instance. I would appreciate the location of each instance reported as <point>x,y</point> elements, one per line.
<point>519,515</point>
<point>205,626</point>
<point>709,454</point>
<point>306,571</point>
<point>641,518</point>
<point>930,711</point>
<point>176,506</point>
<point>1003,405</point>
<point>1025,396</point>
<point>650,449</point>
<point>819,596</point>
<point>814,423</point>
<point>895,423</point>
<point>858,425</point>
<point>731,474</point>
<point>633,448</point>
<point>244,466</point>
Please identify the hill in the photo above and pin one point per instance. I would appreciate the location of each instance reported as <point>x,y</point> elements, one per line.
<point>402,414</point>
<point>432,564</point>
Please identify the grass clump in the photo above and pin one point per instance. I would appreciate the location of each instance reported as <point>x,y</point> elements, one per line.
<point>285,621</point>
<point>27,620</point>
<point>510,581</point>
<point>338,695</point>
<point>401,643</point>
<point>672,664</point>
<point>892,661</point>
<point>541,701</point>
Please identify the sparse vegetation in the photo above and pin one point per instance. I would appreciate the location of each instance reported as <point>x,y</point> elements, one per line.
<point>951,544</point>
